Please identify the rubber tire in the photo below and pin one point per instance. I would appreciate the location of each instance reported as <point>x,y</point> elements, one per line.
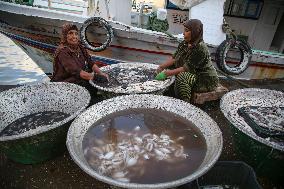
<point>106,26</point>
<point>221,54</point>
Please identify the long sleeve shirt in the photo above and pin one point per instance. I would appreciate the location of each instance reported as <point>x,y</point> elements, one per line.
<point>197,61</point>
<point>68,65</point>
<point>194,60</point>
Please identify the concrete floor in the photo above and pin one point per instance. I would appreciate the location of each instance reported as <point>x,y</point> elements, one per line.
<point>62,172</point>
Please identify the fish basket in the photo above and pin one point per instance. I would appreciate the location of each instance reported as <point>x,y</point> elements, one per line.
<point>264,154</point>
<point>84,123</point>
<point>45,140</point>
<point>229,174</point>
<point>131,78</point>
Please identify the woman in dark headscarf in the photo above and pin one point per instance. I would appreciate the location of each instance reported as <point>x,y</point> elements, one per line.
<point>191,64</point>
<point>72,63</point>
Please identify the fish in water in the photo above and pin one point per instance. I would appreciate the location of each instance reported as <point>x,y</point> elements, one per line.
<point>138,144</point>
<point>33,121</point>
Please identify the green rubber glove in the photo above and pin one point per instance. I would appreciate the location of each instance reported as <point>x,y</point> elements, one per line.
<point>161,76</point>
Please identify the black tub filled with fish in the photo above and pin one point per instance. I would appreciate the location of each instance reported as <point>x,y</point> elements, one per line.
<point>35,119</point>
<point>144,141</point>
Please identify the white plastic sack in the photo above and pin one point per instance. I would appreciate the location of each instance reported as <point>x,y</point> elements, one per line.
<point>186,4</point>
<point>161,14</point>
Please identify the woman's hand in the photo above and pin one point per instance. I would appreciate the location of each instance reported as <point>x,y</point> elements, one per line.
<point>165,65</point>
<point>97,70</point>
<point>174,71</point>
<point>159,69</point>
<point>105,75</point>
<point>86,75</point>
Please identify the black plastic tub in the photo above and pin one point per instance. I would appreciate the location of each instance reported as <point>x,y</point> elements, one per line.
<point>226,175</point>
<point>229,174</point>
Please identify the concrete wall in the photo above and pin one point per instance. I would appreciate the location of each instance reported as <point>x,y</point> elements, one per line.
<point>72,6</point>
<point>119,10</point>
<point>278,41</point>
<point>176,18</point>
<point>242,26</point>
<point>262,31</point>
<point>210,12</point>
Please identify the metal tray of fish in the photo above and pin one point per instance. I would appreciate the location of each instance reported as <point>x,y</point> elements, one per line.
<point>131,78</point>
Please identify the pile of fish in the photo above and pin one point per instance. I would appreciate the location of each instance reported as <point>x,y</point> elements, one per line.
<point>116,159</point>
<point>267,117</point>
<point>266,122</point>
<point>131,79</point>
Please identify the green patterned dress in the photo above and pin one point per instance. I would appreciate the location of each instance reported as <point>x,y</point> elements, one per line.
<point>199,76</point>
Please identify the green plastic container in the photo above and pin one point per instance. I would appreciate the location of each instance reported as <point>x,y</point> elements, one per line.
<point>262,153</point>
<point>37,148</point>
<point>46,141</point>
<point>266,161</point>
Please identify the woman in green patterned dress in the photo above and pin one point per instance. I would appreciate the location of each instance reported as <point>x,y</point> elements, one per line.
<point>191,64</point>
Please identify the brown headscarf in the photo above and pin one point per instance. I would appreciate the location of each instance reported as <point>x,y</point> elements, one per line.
<point>196,28</point>
<point>65,29</point>
<point>63,42</point>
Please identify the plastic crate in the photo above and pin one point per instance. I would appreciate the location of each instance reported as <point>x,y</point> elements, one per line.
<point>229,174</point>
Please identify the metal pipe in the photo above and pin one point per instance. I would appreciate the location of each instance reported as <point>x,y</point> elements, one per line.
<point>49,4</point>
<point>107,9</point>
<point>140,14</point>
<point>91,8</point>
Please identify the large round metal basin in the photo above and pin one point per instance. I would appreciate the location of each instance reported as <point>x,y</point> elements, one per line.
<point>46,141</point>
<point>132,78</point>
<point>207,127</point>
<point>264,154</point>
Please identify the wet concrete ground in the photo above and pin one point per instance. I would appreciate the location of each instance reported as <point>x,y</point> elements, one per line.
<point>62,172</point>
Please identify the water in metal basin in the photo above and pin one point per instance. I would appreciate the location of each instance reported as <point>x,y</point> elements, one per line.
<point>144,146</point>
<point>33,121</point>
